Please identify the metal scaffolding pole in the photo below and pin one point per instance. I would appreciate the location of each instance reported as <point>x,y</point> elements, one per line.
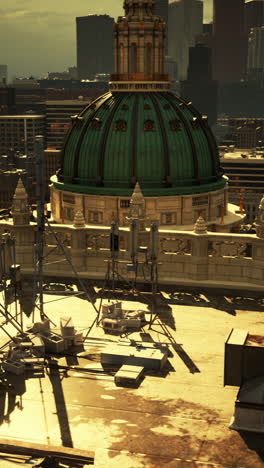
<point>39,155</point>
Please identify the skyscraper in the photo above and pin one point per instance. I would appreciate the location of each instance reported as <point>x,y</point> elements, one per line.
<point>229,41</point>
<point>162,10</point>
<point>184,25</point>
<point>95,52</point>
<point>256,55</point>
<point>199,87</point>
<point>254,14</point>
<point>3,74</point>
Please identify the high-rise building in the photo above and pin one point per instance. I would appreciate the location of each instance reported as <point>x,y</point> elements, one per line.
<point>199,87</point>
<point>256,55</point>
<point>95,52</point>
<point>254,14</point>
<point>59,115</point>
<point>7,100</point>
<point>18,132</point>
<point>3,74</point>
<point>184,25</point>
<point>162,10</point>
<point>229,41</point>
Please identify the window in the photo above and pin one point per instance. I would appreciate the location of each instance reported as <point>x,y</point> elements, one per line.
<point>69,213</point>
<point>95,217</point>
<point>96,124</point>
<point>167,218</point>
<point>149,126</point>
<point>120,126</point>
<point>68,198</point>
<point>175,125</point>
<point>197,201</point>
<point>124,203</point>
<point>195,122</point>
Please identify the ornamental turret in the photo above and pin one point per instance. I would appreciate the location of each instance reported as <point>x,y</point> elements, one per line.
<point>140,41</point>
<point>20,208</point>
<point>137,209</point>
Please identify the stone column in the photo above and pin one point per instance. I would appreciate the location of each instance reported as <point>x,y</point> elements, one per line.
<point>78,242</point>
<point>199,251</point>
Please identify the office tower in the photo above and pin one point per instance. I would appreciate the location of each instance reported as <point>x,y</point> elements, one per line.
<point>185,24</point>
<point>95,52</point>
<point>199,87</point>
<point>229,41</point>
<point>256,56</point>
<point>162,10</point>
<point>7,100</point>
<point>3,74</point>
<point>254,14</point>
<point>18,132</point>
<point>59,115</point>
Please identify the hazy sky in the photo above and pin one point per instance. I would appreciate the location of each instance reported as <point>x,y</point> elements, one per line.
<point>38,36</point>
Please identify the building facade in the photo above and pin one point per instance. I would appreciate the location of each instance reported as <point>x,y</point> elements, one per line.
<point>18,132</point>
<point>95,53</point>
<point>194,258</point>
<point>245,172</point>
<point>254,14</point>
<point>229,41</point>
<point>3,74</point>
<point>185,23</point>
<point>255,65</point>
<point>141,134</point>
<point>200,88</point>
<point>58,120</point>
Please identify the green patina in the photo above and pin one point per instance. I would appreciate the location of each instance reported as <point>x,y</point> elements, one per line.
<point>108,160</point>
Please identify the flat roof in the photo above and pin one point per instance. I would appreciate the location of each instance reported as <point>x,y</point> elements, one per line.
<point>178,419</point>
<point>26,116</point>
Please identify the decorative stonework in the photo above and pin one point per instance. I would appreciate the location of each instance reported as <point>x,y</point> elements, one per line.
<point>121,126</point>
<point>137,209</point>
<point>20,208</point>
<point>149,126</point>
<point>227,249</point>
<point>175,246</point>
<point>200,226</point>
<point>79,221</point>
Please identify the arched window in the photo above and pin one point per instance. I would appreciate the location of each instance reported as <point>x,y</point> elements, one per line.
<point>133,58</point>
<point>148,59</point>
<point>121,59</point>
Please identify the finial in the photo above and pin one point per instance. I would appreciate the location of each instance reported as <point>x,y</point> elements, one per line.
<point>20,191</point>
<point>200,226</point>
<point>137,194</point>
<point>79,221</point>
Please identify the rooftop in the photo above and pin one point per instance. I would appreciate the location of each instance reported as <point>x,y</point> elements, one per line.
<point>178,420</point>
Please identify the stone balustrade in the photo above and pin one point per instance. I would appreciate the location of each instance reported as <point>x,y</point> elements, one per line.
<point>223,259</point>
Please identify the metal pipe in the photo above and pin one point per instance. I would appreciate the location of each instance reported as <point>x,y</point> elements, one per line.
<point>39,155</point>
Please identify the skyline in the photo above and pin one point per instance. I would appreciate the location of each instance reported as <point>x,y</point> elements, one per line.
<point>48,34</point>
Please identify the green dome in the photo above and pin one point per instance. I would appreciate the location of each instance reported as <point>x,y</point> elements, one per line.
<point>154,138</point>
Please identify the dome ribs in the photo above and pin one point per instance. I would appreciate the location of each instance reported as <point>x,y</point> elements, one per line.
<point>101,160</point>
<point>213,149</point>
<point>134,142</point>
<point>165,142</point>
<point>103,99</point>
<point>189,132</point>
